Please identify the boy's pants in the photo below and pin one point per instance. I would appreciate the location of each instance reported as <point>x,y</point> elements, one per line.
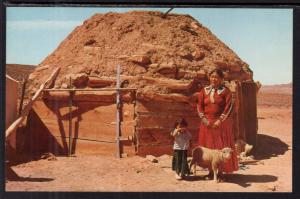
<point>179,162</point>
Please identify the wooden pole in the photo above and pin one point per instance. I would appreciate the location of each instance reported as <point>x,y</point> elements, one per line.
<point>70,120</point>
<point>118,113</point>
<point>27,108</point>
<point>22,96</point>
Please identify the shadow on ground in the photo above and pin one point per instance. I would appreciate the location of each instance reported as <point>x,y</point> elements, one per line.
<point>246,180</point>
<point>268,146</point>
<point>194,178</point>
<point>13,176</point>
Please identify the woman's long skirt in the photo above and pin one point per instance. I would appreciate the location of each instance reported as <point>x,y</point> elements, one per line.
<point>218,139</point>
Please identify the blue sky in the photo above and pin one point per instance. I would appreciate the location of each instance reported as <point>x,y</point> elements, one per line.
<point>261,37</point>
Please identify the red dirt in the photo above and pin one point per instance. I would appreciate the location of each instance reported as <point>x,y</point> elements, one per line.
<point>273,172</point>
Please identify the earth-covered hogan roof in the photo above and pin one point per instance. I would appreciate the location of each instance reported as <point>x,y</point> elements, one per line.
<point>161,55</point>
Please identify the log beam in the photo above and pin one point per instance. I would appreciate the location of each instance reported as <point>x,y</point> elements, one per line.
<point>27,108</point>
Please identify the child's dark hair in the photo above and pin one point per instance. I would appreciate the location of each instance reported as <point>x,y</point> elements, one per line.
<point>182,122</point>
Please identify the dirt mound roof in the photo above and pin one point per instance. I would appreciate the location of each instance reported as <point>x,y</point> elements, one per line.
<point>146,45</point>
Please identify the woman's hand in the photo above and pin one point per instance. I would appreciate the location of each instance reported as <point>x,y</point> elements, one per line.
<point>177,131</point>
<point>216,124</point>
<point>205,122</point>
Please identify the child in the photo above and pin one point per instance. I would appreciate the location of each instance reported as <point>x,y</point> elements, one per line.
<point>181,145</point>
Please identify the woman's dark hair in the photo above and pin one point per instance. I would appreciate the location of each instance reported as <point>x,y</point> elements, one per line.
<point>218,71</point>
<point>182,122</point>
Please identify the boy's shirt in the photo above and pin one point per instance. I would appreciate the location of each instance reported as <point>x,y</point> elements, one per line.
<point>182,141</point>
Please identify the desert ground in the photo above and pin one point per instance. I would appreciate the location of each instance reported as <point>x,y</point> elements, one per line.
<point>271,173</point>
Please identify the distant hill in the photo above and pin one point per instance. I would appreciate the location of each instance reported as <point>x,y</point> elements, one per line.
<point>279,95</point>
<point>277,88</point>
<point>19,71</point>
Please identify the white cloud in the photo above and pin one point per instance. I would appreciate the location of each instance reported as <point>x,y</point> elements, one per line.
<point>41,24</point>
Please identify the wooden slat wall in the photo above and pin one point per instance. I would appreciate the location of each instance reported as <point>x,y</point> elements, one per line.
<point>149,121</point>
<point>93,129</point>
<point>155,121</point>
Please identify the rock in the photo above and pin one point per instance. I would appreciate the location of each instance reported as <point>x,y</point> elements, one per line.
<point>64,86</point>
<point>154,66</point>
<point>201,74</point>
<point>165,157</point>
<point>90,42</point>
<point>79,80</point>
<point>184,27</point>
<point>186,55</point>
<point>152,159</point>
<point>232,66</point>
<point>272,187</point>
<point>198,54</point>
<point>205,46</point>
<point>140,59</point>
<point>195,25</point>
<point>166,69</point>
